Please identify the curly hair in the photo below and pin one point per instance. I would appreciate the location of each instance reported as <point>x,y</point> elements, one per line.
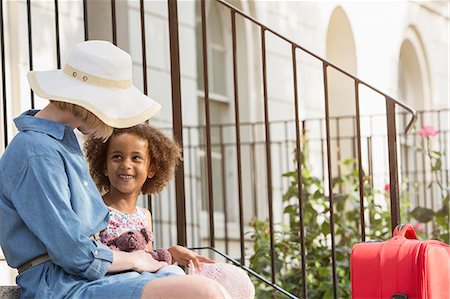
<point>164,154</point>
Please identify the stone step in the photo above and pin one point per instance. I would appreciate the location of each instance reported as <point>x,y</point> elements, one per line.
<point>9,292</point>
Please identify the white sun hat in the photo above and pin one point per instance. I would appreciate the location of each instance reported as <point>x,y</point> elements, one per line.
<point>98,77</point>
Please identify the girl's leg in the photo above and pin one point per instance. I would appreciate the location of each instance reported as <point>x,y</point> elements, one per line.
<point>186,287</point>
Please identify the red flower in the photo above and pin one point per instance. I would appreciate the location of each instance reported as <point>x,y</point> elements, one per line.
<point>428,131</point>
<point>387,187</point>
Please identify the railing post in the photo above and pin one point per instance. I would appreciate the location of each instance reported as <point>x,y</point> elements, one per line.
<point>114,22</point>
<point>298,154</point>
<point>211,209</point>
<point>177,118</point>
<point>3,70</point>
<point>393,168</point>
<point>85,20</point>
<point>238,137</point>
<point>30,47</point>
<point>360,166</point>
<point>58,47</point>
<point>268,152</point>
<point>330,180</point>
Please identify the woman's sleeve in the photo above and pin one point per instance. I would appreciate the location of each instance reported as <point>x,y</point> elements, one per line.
<point>42,199</point>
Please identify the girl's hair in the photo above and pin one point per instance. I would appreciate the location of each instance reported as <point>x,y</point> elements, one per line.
<point>100,129</point>
<point>164,154</point>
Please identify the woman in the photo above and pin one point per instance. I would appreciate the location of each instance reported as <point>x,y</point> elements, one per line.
<point>49,205</point>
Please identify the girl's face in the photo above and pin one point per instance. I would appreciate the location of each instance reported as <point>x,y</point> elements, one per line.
<point>127,164</point>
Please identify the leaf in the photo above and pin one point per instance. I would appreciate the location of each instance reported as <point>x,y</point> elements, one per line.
<point>288,174</point>
<point>420,150</point>
<point>422,214</point>
<point>291,209</point>
<point>292,192</point>
<point>437,166</point>
<point>442,220</point>
<point>437,153</point>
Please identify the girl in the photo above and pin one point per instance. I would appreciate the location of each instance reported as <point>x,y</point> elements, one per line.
<point>134,160</point>
<point>49,205</point>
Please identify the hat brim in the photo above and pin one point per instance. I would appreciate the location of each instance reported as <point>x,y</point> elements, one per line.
<point>116,107</point>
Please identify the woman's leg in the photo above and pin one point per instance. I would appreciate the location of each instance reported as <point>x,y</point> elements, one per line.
<point>186,287</point>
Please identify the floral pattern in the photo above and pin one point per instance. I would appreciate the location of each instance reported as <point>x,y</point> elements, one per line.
<point>120,222</point>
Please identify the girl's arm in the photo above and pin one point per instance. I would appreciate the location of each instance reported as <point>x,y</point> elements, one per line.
<point>180,254</point>
<point>160,254</point>
<point>183,256</point>
<point>148,218</point>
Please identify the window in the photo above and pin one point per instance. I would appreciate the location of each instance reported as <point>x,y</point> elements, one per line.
<point>218,100</point>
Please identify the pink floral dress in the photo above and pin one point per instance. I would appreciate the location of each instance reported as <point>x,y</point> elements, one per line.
<point>120,222</point>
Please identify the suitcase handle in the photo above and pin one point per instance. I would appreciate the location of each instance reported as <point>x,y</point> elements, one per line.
<point>400,296</point>
<point>405,230</point>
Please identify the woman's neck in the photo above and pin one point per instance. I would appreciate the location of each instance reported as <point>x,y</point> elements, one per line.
<point>125,203</point>
<point>52,112</point>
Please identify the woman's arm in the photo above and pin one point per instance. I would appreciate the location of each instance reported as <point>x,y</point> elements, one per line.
<point>42,199</point>
<point>139,261</point>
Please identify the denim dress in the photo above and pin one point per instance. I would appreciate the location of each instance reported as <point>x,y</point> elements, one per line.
<point>50,204</point>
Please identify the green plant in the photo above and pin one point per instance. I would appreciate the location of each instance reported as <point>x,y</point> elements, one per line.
<point>317,233</point>
<point>440,218</point>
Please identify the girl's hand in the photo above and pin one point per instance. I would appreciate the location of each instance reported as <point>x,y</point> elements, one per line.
<point>144,262</point>
<point>182,256</point>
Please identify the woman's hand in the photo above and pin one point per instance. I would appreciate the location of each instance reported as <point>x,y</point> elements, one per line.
<point>182,256</point>
<point>144,262</point>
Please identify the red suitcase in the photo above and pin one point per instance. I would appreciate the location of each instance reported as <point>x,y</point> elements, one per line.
<point>402,267</point>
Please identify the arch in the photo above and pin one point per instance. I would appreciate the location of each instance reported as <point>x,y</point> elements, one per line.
<point>341,51</point>
<point>413,72</point>
<point>413,82</point>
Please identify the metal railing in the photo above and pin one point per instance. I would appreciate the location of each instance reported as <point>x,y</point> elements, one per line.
<point>414,173</point>
<point>391,106</point>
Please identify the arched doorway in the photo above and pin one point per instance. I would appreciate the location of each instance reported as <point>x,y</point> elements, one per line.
<point>341,51</point>
<point>413,72</point>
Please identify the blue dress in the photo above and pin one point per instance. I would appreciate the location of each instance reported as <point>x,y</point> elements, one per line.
<point>50,204</point>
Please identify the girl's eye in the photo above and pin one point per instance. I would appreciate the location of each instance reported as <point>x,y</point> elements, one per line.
<point>137,158</point>
<point>116,157</point>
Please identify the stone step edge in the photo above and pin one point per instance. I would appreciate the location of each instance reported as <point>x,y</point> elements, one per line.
<point>9,292</point>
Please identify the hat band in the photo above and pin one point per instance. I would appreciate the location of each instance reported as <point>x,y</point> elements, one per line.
<point>91,79</point>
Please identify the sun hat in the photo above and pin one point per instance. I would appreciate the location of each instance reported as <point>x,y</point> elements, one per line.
<point>98,77</point>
